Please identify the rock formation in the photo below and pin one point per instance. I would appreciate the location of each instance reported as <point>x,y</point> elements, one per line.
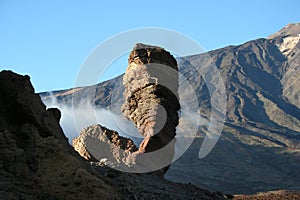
<point>97,143</point>
<point>259,137</point>
<point>36,161</point>
<point>151,98</point>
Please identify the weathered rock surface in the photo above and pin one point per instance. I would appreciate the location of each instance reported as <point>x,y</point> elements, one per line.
<point>151,97</point>
<point>108,151</point>
<point>96,143</point>
<point>36,160</point>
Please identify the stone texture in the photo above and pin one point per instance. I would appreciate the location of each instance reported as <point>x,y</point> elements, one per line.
<point>36,160</point>
<point>151,97</point>
<point>97,143</point>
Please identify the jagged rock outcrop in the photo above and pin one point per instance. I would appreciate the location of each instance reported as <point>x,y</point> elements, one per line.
<point>151,97</point>
<point>36,161</point>
<point>97,143</point>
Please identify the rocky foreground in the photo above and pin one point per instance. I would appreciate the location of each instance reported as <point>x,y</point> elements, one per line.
<point>38,163</point>
<point>272,195</point>
<point>36,160</point>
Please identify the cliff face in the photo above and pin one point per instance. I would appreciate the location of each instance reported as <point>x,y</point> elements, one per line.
<point>151,97</point>
<point>36,160</point>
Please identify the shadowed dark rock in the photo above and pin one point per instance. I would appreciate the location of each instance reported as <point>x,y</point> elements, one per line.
<point>36,160</point>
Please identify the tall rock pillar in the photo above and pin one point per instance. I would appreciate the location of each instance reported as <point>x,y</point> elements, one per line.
<point>151,98</point>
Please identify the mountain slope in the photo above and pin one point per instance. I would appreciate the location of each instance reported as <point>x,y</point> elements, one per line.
<point>259,149</point>
<point>288,41</point>
<point>259,145</point>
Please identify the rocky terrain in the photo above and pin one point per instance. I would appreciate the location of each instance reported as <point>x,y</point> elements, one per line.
<point>37,162</point>
<point>272,195</point>
<point>259,146</point>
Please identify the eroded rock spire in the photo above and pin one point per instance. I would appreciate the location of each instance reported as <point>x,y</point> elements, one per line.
<point>151,98</point>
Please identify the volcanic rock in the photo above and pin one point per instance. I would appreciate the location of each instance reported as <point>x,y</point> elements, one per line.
<point>36,160</point>
<point>151,98</point>
<point>260,139</point>
<point>288,42</point>
<point>96,143</point>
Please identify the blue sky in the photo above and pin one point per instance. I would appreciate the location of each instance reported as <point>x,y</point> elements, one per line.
<point>50,40</point>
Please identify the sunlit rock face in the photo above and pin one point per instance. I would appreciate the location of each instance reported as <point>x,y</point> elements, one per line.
<point>151,97</point>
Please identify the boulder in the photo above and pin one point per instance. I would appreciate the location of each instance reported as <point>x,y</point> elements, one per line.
<point>97,143</point>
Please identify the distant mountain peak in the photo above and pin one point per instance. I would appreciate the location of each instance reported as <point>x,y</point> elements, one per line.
<point>287,38</point>
<point>292,29</point>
